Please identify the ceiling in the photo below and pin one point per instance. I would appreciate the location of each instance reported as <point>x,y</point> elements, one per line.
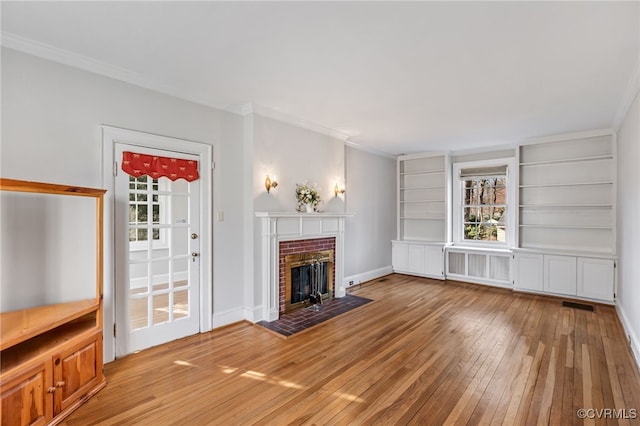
<point>396,77</point>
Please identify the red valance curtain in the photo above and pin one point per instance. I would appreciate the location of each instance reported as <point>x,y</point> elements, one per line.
<point>156,167</point>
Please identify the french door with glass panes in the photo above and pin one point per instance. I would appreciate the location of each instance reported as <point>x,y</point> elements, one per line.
<point>157,224</point>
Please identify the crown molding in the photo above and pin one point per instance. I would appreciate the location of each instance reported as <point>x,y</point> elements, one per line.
<point>630,93</point>
<point>267,112</point>
<point>65,57</point>
<point>568,136</point>
<point>370,150</point>
<point>86,63</point>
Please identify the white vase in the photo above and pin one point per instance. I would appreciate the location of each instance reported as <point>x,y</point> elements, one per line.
<point>309,208</point>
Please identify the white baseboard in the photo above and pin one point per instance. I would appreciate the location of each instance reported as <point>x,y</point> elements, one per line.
<point>634,341</point>
<point>253,314</point>
<point>227,317</point>
<point>367,276</point>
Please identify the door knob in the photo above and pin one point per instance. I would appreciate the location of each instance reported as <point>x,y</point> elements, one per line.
<point>194,236</point>
<point>194,254</point>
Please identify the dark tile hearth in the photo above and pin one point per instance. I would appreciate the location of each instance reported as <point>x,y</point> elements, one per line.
<point>302,319</point>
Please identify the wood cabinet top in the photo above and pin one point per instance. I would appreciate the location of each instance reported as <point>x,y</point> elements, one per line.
<point>48,188</point>
<point>21,325</point>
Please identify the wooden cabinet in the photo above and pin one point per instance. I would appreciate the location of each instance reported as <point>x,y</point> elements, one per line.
<point>51,354</point>
<point>77,370</point>
<point>27,398</point>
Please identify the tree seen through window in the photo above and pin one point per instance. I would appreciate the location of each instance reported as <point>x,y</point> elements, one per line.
<point>484,208</point>
<point>143,201</point>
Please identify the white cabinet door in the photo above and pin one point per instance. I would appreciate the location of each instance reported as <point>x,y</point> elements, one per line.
<point>435,261</point>
<point>416,259</point>
<point>400,256</point>
<point>595,278</point>
<point>529,272</point>
<point>560,275</point>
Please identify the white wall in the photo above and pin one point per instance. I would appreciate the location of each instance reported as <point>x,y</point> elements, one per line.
<point>628,237</point>
<point>51,117</point>
<point>371,196</point>
<point>292,155</point>
<point>49,242</point>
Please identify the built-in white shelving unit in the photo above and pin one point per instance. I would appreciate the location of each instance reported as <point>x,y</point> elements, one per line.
<point>422,214</point>
<point>566,221</point>
<point>422,198</point>
<point>567,195</point>
<point>567,218</point>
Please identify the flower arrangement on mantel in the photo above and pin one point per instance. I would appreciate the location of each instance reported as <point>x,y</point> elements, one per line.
<point>308,197</point>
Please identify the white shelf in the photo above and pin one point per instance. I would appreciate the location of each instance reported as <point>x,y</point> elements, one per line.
<point>553,185</point>
<point>413,188</point>
<point>608,228</point>
<point>568,160</point>
<point>422,201</point>
<point>425,172</point>
<point>563,206</point>
<point>421,218</point>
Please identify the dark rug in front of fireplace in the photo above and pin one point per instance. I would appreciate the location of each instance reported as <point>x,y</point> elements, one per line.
<point>302,319</point>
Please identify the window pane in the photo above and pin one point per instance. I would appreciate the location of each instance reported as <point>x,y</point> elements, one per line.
<point>156,213</point>
<point>486,214</point>
<point>484,206</point>
<point>142,213</point>
<point>142,235</point>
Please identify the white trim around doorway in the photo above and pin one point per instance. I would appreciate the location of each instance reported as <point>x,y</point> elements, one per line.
<point>208,197</point>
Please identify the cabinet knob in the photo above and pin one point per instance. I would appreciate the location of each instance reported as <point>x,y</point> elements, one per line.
<point>51,390</point>
<point>60,384</point>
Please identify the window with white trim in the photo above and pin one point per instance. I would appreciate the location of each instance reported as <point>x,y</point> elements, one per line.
<point>483,213</point>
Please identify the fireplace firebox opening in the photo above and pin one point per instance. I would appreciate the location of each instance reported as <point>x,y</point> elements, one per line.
<point>308,279</point>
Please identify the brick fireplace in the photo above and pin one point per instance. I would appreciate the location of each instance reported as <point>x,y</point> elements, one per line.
<point>285,233</point>
<point>301,250</point>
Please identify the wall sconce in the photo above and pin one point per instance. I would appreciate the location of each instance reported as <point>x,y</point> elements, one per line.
<point>337,190</point>
<point>269,184</point>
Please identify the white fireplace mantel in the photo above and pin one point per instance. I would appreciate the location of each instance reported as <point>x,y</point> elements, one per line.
<point>285,226</point>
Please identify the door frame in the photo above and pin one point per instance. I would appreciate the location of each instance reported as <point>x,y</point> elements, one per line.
<point>112,135</point>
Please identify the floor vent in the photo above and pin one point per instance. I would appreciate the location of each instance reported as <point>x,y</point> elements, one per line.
<point>582,306</point>
<point>381,280</point>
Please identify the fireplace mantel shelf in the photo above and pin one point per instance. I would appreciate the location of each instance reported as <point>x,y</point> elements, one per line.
<point>305,215</point>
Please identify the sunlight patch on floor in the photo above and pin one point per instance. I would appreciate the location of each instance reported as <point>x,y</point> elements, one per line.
<point>184,363</point>
<point>255,375</point>
<point>348,397</point>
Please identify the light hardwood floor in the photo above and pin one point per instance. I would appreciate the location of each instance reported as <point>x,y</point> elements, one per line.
<point>425,352</point>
